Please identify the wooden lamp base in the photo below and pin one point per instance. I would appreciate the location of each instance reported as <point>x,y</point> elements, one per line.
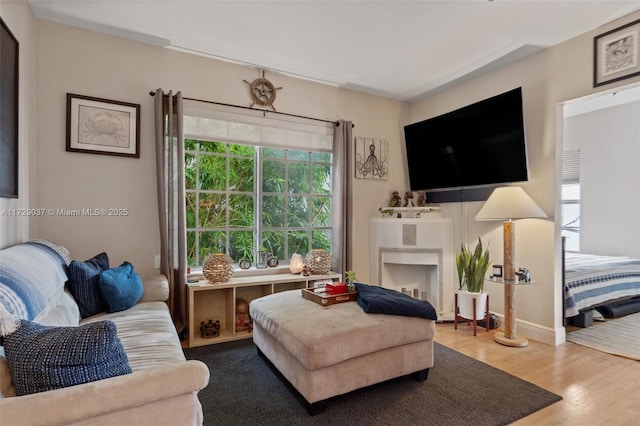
<point>508,337</point>
<point>516,342</point>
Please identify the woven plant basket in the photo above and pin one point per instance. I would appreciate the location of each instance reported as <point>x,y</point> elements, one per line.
<point>319,261</point>
<point>218,268</point>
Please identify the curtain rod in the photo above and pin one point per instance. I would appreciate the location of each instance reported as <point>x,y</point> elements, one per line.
<point>264,111</point>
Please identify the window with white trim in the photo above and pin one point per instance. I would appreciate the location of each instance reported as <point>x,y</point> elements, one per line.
<point>253,184</point>
<point>571,199</point>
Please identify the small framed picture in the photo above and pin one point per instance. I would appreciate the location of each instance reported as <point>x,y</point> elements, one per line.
<point>497,271</point>
<point>616,54</point>
<point>102,126</point>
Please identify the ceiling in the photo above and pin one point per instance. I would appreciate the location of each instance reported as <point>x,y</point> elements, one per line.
<point>402,50</point>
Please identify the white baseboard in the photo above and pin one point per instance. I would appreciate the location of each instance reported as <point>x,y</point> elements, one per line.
<point>539,332</point>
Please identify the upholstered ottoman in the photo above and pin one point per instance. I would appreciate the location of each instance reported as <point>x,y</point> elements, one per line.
<point>328,351</point>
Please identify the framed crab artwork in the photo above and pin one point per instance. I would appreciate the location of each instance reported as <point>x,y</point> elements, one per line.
<point>102,126</point>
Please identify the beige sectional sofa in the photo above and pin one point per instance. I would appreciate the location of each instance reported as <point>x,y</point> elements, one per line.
<point>162,387</point>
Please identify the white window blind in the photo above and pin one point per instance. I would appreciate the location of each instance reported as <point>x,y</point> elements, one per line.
<point>571,166</point>
<point>219,123</point>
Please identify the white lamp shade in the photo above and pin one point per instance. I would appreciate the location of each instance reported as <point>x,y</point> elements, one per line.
<point>509,202</point>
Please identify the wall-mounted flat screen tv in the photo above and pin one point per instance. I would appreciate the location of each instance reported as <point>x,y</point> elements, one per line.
<point>479,144</point>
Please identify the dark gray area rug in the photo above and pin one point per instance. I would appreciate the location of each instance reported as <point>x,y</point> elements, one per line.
<point>245,390</point>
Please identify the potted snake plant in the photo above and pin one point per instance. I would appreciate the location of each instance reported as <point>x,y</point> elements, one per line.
<point>472,267</point>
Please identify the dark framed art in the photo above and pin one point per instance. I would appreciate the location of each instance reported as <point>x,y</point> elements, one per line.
<point>497,271</point>
<point>102,126</point>
<point>616,54</point>
<point>9,53</point>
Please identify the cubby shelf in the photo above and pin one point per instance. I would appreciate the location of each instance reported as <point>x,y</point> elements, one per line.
<point>217,302</point>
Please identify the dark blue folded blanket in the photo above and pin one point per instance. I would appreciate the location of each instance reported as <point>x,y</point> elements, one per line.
<point>379,300</point>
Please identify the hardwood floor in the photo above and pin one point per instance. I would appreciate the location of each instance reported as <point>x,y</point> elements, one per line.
<point>597,388</point>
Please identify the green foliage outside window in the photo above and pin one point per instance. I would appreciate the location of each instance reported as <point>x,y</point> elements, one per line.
<point>224,197</point>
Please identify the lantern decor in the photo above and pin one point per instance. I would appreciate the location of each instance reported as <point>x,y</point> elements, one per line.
<point>296,264</point>
<point>209,329</point>
<point>218,268</point>
<point>319,261</point>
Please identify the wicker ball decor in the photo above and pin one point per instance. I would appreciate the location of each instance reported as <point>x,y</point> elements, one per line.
<point>218,268</point>
<point>319,261</point>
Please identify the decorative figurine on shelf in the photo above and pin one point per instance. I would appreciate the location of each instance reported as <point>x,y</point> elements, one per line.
<point>386,212</point>
<point>305,270</point>
<point>422,199</point>
<point>262,256</point>
<point>395,200</point>
<point>350,277</point>
<point>242,315</point>
<point>408,199</point>
<point>524,275</point>
<point>209,329</point>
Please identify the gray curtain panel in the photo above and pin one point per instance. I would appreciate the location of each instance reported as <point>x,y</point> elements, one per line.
<point>342,196</point>
<point>171,206</point>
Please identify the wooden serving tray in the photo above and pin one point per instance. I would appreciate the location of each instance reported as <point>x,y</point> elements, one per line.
<point>326,299</point>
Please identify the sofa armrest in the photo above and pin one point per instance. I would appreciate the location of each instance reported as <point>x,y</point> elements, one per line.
<point>156,288</point>
<point>105,397</point>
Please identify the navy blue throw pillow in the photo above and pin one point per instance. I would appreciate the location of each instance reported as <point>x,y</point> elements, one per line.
<point>83,283</point>
<point>120,287</point>
<point>43,358</point>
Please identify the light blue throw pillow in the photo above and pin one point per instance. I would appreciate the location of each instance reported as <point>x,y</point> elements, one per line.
<point>120,287</point>
<point>43,358</point>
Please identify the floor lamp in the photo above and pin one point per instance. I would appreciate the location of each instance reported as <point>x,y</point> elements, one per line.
<point>509,203</point>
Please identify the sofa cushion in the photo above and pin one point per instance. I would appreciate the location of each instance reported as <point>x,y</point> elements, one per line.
<point>120,287</point>
<point>156,288</point>
<point>83,283</point>
<point>147,333</point>
<point>43,358</point>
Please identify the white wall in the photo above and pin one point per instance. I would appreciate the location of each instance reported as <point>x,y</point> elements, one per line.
<point>88,63</point>
<point>14,229</point>
<point>548,78</point>
<point>92,64</point>
<point>609,143</point>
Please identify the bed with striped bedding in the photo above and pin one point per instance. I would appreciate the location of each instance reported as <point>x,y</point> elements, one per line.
<point>592,280</point>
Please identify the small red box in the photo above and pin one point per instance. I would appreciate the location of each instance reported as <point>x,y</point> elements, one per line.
<point>336,288</point>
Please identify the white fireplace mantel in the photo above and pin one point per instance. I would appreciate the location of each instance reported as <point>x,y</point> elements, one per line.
<point>416,254</point>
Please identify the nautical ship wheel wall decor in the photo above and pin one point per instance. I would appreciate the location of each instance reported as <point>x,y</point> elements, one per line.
<point>262,91</point>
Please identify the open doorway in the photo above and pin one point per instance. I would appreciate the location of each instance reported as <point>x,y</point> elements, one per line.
<point>601,173</point>
<point>600,205</point>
